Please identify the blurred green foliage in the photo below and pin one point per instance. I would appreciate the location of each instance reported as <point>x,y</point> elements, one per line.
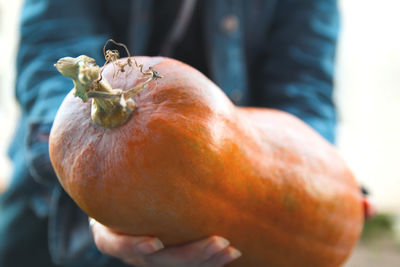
<point>381,226</point>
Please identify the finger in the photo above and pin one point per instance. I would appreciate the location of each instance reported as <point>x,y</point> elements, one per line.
<point>123,246</point>
<point>223,257</point>
<point>205,248</point>
<point>190,255</point>
<point>369,208</point>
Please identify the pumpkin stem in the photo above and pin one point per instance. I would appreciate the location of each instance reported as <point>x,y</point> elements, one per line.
<point>110,107</point>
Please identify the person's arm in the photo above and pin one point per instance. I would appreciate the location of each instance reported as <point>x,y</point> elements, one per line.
<point>296,71</point>
<point>50,30</point>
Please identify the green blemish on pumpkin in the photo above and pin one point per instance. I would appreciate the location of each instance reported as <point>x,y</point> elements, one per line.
<point>248,187</point>
<point>250,192</point>
<point>290,202</point>
<point>208,155</point>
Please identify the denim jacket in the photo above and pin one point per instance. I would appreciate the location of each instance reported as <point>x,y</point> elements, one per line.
<point>270,53</point>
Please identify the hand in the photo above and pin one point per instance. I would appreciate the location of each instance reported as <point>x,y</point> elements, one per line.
<point>369,208</point>
<point>145,251</point>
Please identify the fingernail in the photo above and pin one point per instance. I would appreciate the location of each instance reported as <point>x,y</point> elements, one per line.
<point>92,222</point>
<point>149,246</point>
<point>218,244</point>
<point>234,254</point>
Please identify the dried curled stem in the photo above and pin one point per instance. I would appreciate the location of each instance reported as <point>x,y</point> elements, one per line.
<point>109,106</point>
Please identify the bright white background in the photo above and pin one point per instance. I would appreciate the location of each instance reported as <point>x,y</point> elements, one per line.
<point>367,93</point>
<point>368,96</point>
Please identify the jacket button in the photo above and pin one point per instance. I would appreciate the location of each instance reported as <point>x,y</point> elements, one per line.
<point>236,95</point>
<point>230,23</point>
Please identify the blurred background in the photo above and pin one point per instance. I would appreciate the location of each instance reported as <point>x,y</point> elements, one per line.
<point>367,95</point>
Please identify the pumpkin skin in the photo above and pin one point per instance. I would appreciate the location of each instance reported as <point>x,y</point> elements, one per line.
<point>189,164</point>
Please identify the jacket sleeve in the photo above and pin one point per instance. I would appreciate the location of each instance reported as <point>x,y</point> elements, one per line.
<point>50,30</point>
<point>299,62</point>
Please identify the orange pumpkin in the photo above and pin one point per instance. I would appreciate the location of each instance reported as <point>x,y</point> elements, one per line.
<point>188,164</point>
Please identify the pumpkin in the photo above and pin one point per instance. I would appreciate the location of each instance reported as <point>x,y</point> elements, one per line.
<point>186,163</point>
